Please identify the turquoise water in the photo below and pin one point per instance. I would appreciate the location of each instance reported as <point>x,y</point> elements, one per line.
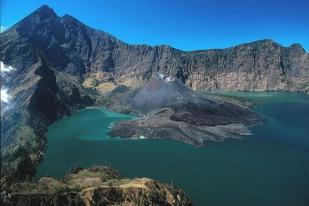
<point>269,168</point>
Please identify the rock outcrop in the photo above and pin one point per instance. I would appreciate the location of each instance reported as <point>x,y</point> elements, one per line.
<point>93,186</point>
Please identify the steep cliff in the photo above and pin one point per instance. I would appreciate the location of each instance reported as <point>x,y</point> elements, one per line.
<point>71,47</point>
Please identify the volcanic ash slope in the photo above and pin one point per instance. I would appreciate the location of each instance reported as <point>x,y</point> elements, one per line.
<point>172,110</point>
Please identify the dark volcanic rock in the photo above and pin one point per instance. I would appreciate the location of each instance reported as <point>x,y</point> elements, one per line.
<point>171,110</point>
<point>158,92</point>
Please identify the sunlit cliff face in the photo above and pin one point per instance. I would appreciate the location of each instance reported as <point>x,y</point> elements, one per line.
<point>5,95</point>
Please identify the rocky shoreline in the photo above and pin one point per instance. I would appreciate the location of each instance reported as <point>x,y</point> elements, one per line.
<point>160,124</point>
<point>172,110</point>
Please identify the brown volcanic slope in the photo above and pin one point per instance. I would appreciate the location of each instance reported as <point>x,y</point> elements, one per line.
<point>93,186</point>
<point>62,65</point>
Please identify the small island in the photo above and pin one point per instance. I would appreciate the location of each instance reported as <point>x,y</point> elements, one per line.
<point>169,109</point>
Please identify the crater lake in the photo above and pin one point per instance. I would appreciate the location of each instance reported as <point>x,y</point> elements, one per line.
<point>269,168</point>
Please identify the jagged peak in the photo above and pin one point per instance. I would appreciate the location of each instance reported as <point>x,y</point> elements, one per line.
<point>266,41</point>
<point>44,11</point>
<point>44,7</point>
<point>262,42</point>
<point>69,17</point>
<point>297,47</point>
<point>72,20</point>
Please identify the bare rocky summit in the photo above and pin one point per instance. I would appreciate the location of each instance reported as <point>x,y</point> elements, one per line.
<point>71,47</point>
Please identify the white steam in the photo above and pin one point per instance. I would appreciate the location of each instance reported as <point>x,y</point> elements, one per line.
<point>5,97</point>
<point>5,70</point>
<point>2,28</point>
<point>166,78</point>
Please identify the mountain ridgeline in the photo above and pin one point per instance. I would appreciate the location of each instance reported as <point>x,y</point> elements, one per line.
<point>62,65</point>
<point>73,48</point>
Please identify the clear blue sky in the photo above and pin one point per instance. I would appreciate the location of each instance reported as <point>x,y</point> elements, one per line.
<point>187,25</point>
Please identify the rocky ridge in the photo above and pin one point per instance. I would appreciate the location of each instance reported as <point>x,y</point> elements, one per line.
<point>100,185</point>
